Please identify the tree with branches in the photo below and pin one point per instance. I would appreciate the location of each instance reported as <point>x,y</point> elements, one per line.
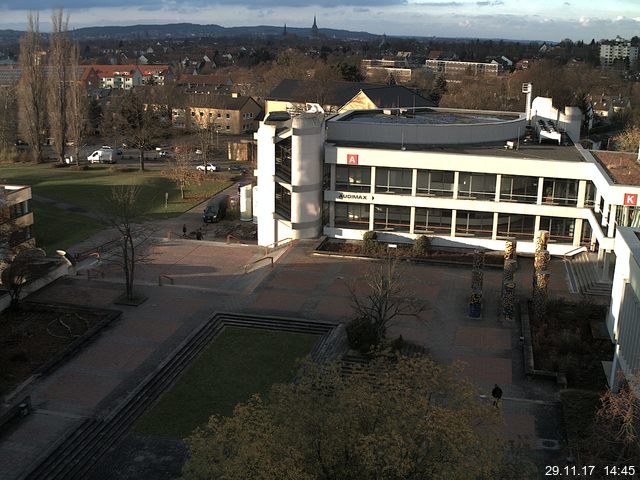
<point>182,172</point>
<point>393,418</point>
<point>78,104</point>
<point>122,210</point>
<point>31,89</point>
<point>57,80</point>
<point>19,269</point>
<point>384,301</point>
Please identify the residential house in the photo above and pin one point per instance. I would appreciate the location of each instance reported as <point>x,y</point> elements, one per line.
<point>226,114</point>
<point>126,77</point>
<point>293,95</point>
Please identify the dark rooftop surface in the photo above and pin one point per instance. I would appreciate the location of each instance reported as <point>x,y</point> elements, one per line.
<point>427,117</point>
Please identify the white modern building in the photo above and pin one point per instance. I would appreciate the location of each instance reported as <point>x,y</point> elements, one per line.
<point>466,178</point>
<point>623,320</point>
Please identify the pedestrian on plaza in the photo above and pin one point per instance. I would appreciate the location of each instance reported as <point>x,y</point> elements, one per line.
<point>496,393</point>
<point>184,230</point>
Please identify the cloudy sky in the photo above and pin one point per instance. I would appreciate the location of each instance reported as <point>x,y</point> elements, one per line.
<point>510,19</point>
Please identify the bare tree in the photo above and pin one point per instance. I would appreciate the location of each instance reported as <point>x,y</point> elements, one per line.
<point>385,299</point>
<point>182,172</point>
<point>122,210</point>
<point>58,80</point>
<point>140,123</point>
<point>31,90</point>
<point>77,103</point>
<point>19,269</point>
<point>8,125</point>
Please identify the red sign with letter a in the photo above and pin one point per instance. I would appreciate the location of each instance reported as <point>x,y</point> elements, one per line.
<point>352,159</point>
<point>630,198</point>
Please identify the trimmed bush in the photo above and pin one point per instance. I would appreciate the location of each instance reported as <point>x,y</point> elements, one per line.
<point>362,335</point>
<point>370,244</point>
<point>422,246</point>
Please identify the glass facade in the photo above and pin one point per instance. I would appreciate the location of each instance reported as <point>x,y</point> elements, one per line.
<point>394,180</point>
<point>560,229</point>
<point>477,186</point>
<point>353,179</point>
<point>393,218</point>
<point>432,220</point>
<point>435,183</point>
<point>474,224</point>
<point>560,191</point>
<point>352,215</point>
<point>518,189</point>
<point>519,226</point>
<point>283,202</point>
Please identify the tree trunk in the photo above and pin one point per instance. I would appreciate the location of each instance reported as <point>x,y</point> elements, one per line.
<point>142,159</point>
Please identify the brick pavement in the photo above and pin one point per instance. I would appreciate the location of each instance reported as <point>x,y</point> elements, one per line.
<point>209,277</point>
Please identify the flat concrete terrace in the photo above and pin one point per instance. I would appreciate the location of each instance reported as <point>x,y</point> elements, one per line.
<point>209,277</point>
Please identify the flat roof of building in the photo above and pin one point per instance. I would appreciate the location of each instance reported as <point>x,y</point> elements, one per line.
<point>622,167</point>
<point>542,151</point>
<point>426,117</point>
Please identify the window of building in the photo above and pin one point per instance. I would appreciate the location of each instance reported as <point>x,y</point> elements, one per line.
<point>353,179</point>
<point>433,220</point>
<point>193,114</point>
<point>477,186</point>
<point>394,180</point>
<point>397,219</point>
<point>590,195</point>
<point>560,191</point>
<point>283,201</point>
<point>19,209</point>
<point>519,226</point>
<point>218,115</point>
<point>210,114</point>
<point>474,224</point>
<point>560,229</point>
<point>227,127</point>
<point>519,189</point>
<point>201,114</point>
<point>435,183</point>
<point>352,215</point>
<point>227,116</point>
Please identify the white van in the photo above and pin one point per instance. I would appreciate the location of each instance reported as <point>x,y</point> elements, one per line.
<point>102,155</point>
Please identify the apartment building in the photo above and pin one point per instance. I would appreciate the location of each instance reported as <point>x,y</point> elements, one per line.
<point>454,67</point>
<point>618,49</point>
<point>16,219</point>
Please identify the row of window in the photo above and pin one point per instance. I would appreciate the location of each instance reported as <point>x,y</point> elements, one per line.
<point>218,114</point>
<point>468,223</point>
<point>475,186</point>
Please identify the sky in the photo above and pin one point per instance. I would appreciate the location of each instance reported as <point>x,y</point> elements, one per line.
<point>552,20</point>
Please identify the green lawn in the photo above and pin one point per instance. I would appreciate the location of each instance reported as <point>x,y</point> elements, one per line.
<point>238,363</point>
<point>89,188</point>
<point>57,229</point>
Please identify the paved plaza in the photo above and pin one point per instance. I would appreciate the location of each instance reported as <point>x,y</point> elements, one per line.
<point>202,277</point>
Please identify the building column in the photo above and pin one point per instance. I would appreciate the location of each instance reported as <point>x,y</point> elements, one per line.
<point>605,215</point>
<point>412,221</point>
<point>612,221</point>
<point>414,185</point>
<point>456,180</point>
<point>625,216</point>
<point>454,214</point>
<point>332,214</point>
<point>498,186</point>
<point>577,232</point>
<point>596,206</point>
<point>372,212</point>
<point>540,191</point>
<point>372,190</point>
<point>605,266</point>
<point>332,180</point>
<point>536,226</point>
<point>494,230</point>
<point>582,193</point>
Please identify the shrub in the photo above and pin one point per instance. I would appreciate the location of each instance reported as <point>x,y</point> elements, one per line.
<point>117,169</point>
<point>370,244</point>
<point>79,168</point>
<point>58,165</point>
<point>422,246</point>
<point>362,335</point>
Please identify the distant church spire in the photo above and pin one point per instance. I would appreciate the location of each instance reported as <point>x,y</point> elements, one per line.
<point>284,31</point>
<point>314,28</point>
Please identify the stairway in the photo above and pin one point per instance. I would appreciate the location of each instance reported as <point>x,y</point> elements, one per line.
<point>585,276</point>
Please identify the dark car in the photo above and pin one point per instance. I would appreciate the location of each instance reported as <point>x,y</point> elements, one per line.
<point>216,209</point>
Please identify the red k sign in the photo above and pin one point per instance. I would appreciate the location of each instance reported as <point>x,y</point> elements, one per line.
<point>352,159</point>
<point>630,198</point>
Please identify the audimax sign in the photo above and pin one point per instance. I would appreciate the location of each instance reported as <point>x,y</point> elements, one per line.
<point>362,197</point>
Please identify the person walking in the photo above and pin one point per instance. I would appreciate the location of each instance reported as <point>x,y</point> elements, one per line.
<point>496,393</point>
<point>184,230</point>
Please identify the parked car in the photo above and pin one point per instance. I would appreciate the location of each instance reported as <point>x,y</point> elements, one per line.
<point>208,167</point>
<point>102,155</point>
<point>216,209</point>
<point>165,154</point>
<point>237,169</point>
<point>198,152</point>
